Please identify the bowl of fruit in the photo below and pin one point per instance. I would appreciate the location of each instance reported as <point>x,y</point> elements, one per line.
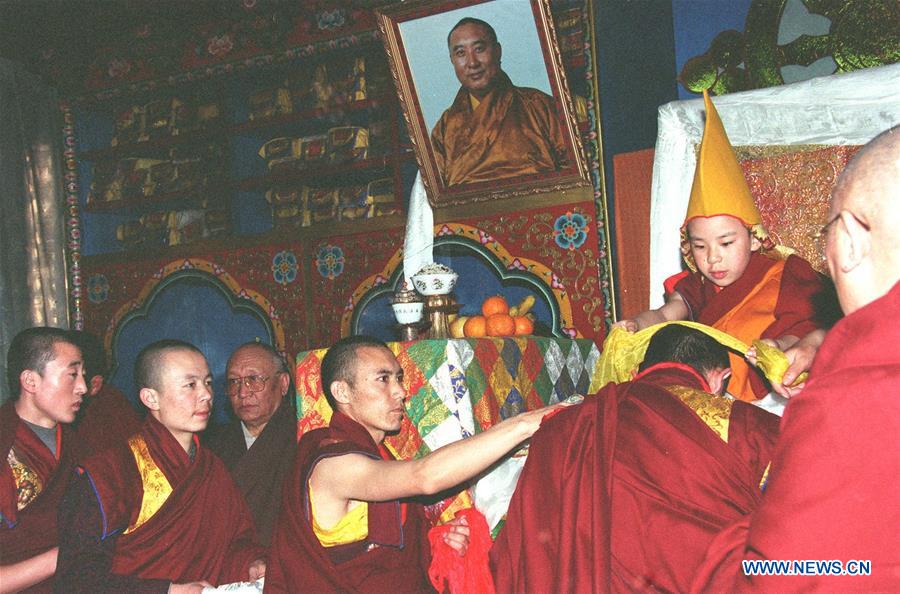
<point>497,318</point>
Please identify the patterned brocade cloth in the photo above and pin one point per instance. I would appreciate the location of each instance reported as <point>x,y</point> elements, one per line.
<point>459,387</point>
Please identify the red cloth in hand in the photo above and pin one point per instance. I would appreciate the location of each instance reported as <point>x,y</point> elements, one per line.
<point>467,573</point>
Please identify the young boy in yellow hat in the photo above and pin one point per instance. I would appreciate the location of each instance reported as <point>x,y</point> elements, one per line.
<point>739,281</point>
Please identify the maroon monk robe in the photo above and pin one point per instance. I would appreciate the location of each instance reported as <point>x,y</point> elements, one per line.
<point>203,530</point>
<point>834,488</point>
<point>625,491</point>
<point>27,532</point>
<point>105,419</point>
<point>259,472</point>
<point>795,311</point>
<point>393,558</point>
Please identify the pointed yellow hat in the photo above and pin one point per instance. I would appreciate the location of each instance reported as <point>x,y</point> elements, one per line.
<point>719,186</point>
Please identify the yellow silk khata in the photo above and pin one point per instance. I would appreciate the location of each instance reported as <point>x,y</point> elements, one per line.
<point>513,131</point>
<point>623,352</point>
<point>156,486</point>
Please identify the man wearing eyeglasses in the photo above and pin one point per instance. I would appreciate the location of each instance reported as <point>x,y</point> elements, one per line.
<point>258,447</point>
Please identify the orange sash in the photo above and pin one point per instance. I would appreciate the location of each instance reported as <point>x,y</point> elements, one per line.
<point>747,321</point>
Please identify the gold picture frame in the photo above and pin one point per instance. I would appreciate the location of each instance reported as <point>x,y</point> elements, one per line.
<point>526,141</point>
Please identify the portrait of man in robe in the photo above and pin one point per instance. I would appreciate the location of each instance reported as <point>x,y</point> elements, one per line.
<point>485,98</point>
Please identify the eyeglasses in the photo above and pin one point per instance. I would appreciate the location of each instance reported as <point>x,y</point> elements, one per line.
<point>823,230</point>
<point>822,233</point>
<point>254,383</point>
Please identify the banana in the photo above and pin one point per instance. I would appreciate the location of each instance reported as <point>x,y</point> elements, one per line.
<point>525,306</point>
<point>457,327</point>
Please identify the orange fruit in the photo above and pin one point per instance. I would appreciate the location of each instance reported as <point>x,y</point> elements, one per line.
<point>523,326</point>
<point>494,305</point>
<point>500,324</point>
<point>475,327</point>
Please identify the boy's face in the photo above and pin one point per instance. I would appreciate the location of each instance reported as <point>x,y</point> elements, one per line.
<point>721,247</point>
<point>184,397</point>
<point>58,391</point>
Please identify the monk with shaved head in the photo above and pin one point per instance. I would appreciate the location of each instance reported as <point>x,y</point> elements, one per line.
<point>830,517</point>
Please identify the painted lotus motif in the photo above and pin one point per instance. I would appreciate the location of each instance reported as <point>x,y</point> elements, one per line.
<point>284,267</point>
<point>330,261</point>
<point>570,230</point>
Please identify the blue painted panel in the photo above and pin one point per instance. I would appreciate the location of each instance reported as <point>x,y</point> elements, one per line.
<point>251,213</point>
<point>477,281</point>
<point>194,309</point>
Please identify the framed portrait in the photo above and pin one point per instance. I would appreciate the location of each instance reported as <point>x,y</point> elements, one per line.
<point>484,97</point>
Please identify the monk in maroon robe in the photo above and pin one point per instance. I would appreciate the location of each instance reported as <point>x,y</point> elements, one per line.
<point>833,491</point>
<point>363,533</point>
<point>39,453</point>
<point>159,512</point>
<point>625,492</point>
<point>393,558</point>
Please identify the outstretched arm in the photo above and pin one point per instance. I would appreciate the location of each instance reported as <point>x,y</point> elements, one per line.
<point>338,480</point>
<point>24,574</point>
<point>674,309</point>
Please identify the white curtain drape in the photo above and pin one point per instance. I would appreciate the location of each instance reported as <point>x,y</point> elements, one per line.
<point>32,208</point>
<point>843,109</point>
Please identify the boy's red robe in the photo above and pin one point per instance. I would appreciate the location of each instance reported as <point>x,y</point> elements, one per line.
<point>834,488</point>
<point>394,558</point>
<point>773,298</point>
<point>203,530</point>
<point>32,530</point>
<point>625,491</point>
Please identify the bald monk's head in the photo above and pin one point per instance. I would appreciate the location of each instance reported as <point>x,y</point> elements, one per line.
<point>862,245</point>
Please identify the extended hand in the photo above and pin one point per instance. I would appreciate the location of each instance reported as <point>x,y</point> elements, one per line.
<point>458,535</point>
<point>191,588</point>
<point>629,325</point>
<point>750,356</point>
<point>801,356</point>
<point>257,570</point>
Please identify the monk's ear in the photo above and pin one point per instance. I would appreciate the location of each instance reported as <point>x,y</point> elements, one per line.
<point>150,398</point>
<point>718,380</point>
<point>28,381</point>
<point>854,241</point>
<point>340,389</point>
<point>95,385</point>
